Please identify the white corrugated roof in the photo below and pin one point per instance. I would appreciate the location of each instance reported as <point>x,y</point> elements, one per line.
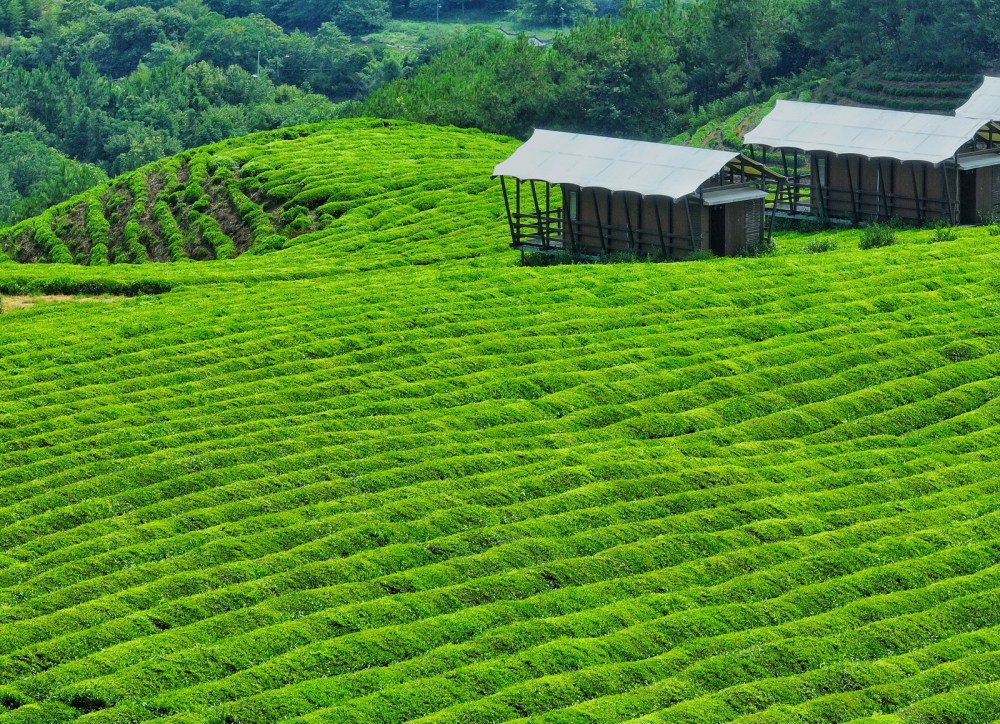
<point>984,103</point>
<point>651,169</point>
<point>865,131</point>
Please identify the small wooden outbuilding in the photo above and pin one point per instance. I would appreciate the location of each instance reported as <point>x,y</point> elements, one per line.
<point>861,164</point>
<point>594,196</point>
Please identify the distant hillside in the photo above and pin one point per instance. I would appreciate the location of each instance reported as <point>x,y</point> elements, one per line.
<point>256,195</point>
<point>915,92</point>
<point>727,131</point>
<point>903,91</point>
<point>383,474</point>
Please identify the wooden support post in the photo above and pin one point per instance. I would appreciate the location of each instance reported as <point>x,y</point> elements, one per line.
<point>574,228</point>
<point>770,220</point>
<point>506,204</point>
<point>925,191</point>
<point>642,221</point>
<point>610,220</point>
<point>687,209</point>
<point>918,197</point>
<point>600,227</point>
<point>538,213</point>
<point>628,225</point>
<point>659,227</point>
<point>861,186</point>
<point>671,222</point>
<point>822,184</point>
<point>548,213</point>
<point>947,190</point>
<point>883,200</point>
<point>958,194</point>
<point>850,186</point>
<point>892,189</point>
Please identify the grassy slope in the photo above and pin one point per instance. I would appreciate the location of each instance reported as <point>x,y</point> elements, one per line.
<point>385,475</point>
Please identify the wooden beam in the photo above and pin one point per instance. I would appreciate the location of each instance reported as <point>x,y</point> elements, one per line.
<point>506,204</point>
<point>687,209</point>
<point>850,184</point>
<point>538,211</point>
<point>883,201</point>
<point>917,195</point>
<point>642,220</point>
<point>611,217</point>
<point>628,225</point>
<point>947,190</point>
<point>659,226</point>
<point>548,212</point>
<point>822,183</point>
<point>600,227</point>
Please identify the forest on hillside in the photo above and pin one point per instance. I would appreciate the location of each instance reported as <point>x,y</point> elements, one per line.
<point>645,72</point>
<point>92,88</point>
<point>89,89</point>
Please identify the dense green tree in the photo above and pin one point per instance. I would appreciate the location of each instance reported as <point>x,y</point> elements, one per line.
<point>909,35</point>
<point>554,12</point>
<point>738,45</point>
<point>616,76</point>
<point>627,79</point>
<point>234,41</point>
<point>34,177</point>
<point>132,32</point>
<point>359,17</point>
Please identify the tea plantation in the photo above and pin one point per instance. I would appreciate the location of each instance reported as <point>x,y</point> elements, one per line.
<point>357,466</point>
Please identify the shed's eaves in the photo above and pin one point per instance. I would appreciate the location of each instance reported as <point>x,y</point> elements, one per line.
<point>867,132</point>
<point>984,103</point>
<point>650,169</point>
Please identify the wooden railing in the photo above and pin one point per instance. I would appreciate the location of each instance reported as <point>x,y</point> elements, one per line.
<point>553,231</point>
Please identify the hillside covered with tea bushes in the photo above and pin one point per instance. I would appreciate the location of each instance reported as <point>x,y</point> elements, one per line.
<point>343,460</point>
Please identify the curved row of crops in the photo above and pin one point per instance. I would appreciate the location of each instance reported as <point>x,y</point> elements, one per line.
<point>915,92</point>
<point>397,478</point>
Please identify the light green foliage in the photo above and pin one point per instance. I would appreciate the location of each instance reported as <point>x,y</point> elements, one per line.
<point>388,475</point>
<point>818,246</point>
<point>943,232</point>
<point>876,235</point>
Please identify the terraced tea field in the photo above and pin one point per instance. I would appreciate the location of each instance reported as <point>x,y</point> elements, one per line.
<point>372,471</point>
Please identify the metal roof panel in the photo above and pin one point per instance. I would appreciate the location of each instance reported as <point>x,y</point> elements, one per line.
<point>728,196</point>
<point>864,131</point>
<point>970,162</point>
<point>651,169</point>
<point>984,103</point>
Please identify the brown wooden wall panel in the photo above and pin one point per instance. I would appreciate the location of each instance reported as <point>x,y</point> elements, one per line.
<point>646,216</point>
<point>862,189</point>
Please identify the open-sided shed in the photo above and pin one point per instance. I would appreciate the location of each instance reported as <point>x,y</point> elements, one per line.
<point>980,175</point>
<point>593,196</point>
<point>859,164</point>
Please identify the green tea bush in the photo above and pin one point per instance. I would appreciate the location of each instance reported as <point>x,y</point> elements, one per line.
<point>943,232</point>
<point>875,236</point>
<point>56,250</point>
<point>389,475</point>
<point>818,246</point>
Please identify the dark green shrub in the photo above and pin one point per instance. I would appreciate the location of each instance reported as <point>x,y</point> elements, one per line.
<point>943,232</point>
<point>875,236</point>
<point>817,246</point>
<point>764,247</point>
